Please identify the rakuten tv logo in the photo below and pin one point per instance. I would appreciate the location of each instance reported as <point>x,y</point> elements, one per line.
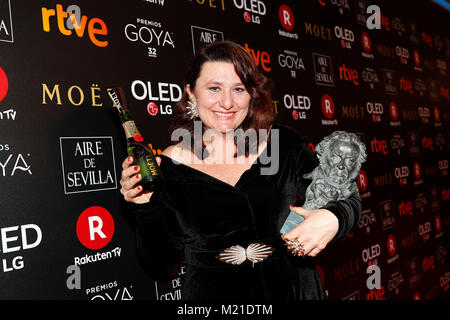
<point>95,227</point>
<point>9,114</point>
<point>328,110</point>
<point>3,84</point>
<point>286,17</point>
<point>71,20</point>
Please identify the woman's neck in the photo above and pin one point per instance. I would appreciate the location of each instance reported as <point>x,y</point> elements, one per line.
<point>220,146</point>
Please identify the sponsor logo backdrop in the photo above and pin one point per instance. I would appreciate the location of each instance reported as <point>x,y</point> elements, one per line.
<point>61,144</point>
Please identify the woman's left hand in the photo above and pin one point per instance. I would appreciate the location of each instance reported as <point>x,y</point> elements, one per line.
<point>315,232</point>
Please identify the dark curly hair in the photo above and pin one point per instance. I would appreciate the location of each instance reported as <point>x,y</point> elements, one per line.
<point>260,113</point>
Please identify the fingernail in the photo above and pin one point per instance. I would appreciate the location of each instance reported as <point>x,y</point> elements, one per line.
<point>138,176</point>
<point>291,206</point>
<point>136,168</point>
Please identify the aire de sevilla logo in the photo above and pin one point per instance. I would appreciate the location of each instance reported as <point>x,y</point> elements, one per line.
<point>3,84</point>
<point>95,227</point>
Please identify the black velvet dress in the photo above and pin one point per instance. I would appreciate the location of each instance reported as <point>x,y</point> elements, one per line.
<point>194,216</point>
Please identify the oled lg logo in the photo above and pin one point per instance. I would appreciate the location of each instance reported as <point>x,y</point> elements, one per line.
<point>298,104</point>
<point>346,36</point>
<point>161,95</point>
<point>254,9</point>
<point>6,30</point>
<point>17,239</point>
<point>376,110</point>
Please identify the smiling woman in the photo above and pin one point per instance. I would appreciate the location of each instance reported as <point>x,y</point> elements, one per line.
<point>225,80</point>
<point>225,217</point>
<point>221,98</point>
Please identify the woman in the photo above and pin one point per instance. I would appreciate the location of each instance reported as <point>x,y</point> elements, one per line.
<point>216,209</point>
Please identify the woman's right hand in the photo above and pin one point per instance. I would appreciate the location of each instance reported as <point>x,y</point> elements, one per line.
<point>130,177</point>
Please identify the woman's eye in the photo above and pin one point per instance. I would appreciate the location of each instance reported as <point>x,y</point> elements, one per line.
<point>239,89</point>
<point>214,89</point>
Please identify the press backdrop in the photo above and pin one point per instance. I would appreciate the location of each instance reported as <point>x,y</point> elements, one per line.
<point>61,144</point>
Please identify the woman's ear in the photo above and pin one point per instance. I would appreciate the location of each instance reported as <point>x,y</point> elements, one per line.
<point>190,93</point>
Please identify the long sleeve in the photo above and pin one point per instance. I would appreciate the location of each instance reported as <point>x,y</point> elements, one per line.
<point>347,211</point>
<point>158,235</point>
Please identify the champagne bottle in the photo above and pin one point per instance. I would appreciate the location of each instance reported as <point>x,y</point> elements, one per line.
<point>142,155</point>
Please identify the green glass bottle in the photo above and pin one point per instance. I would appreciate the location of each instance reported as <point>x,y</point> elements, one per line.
<point>142,155</point>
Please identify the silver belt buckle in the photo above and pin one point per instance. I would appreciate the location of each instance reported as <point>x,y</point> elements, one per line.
<point>255,252</point>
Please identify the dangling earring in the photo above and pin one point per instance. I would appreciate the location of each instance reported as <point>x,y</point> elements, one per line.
<point>192,109</point>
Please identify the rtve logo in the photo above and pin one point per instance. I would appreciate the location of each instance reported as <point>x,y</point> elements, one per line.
<point>72,20</point>
<point>95,227</point>
<point>349,74</point>
<point>260,57</point>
